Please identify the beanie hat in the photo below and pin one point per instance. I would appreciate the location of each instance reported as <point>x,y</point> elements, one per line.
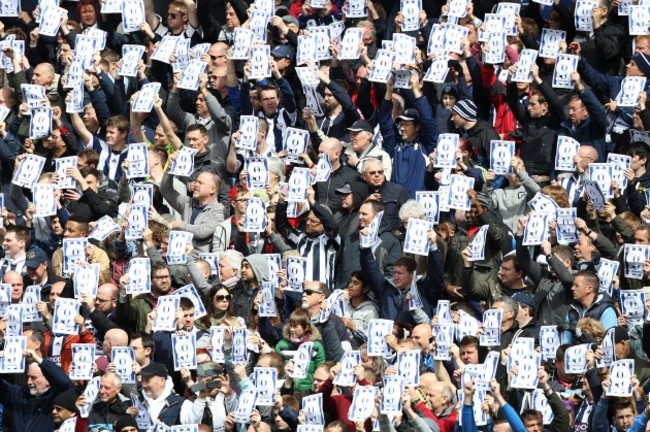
<point>66,400</point>
<point>643,63</point>
<point>466,108</point>
<point>124,421</point>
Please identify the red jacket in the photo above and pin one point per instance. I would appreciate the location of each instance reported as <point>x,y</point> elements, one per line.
<point>66,349</point>
<point>446,421</point>
<point>504,121</point>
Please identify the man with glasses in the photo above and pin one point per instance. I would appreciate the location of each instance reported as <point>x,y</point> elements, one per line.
<point>333,331</point>
<point>392,195</point>
<point>230,230</point>
<point>133,312</point>
<point>101,310</point>
<point>181,20</point>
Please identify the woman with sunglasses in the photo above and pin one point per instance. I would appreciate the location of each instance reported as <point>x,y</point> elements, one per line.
<point>218,308</point>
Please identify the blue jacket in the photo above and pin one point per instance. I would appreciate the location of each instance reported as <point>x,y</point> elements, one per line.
<point>593,129</point>
<point>34,413</point>
<point>392,300</point>
<point>409,159</point>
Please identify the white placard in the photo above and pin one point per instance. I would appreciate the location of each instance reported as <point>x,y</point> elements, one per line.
<point>491,335</point>
<point>430,200</point>
<point>477,244</point>
<point>192,75</point>
<point>391,397</point>
<point>138,220</point>
<point>633,306</point>
<point>566,230</point>
<point>527,371</point>
<point>50,20</point>
<point>132,15</point>
<point>65,310</point>
<point>527,59</point>
<point>261,66</point>
<point>565,65</point>
<point>83,359</point>
<point>620,375</point>
<point>62,165</point>
<point>350,49</point>
<point>458,187</point>
<point>575,360</point>
<point>446,151</point>
<point>601,174</point>
<point>74,252</point>
<point>312,406</point>
<point>13,358</point>
<point>536,229</point>
<point>582,15</point>
<point>265,379</point>
<point>378,329</point>
<point>607,269</point>
<point>638,18</point>
<point>501,154</point>
<point>184,349</point>
<point>444,337</point>
<point>166,313</point>
<point>550,43</point>
<point>183,165</point>
<point>363,403</point>
<point>139,271</point>
<point>40,124</point>
<point>145,98</point>
<point>138,157</point>
<point>635,256</point>
<point>44,199</point>
<point>243,39</point>
<point>177,249</point>
<point>255,215</point>
<point>404,48</point>
<point>416,240</point>
<point>131,56</point>
<point>628,95</point>
<point>86,279</point>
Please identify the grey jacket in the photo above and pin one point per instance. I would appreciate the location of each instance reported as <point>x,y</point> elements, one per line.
<point>218,128</point>
<point>205,223</point>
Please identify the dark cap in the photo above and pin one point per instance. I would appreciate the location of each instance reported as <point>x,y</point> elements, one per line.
<point>345,189</point>
<point>620,334</point>
<point>361,125</point>
<point>524,297</point>
<point>125,421</point>
<point>282,51</point>
<point>35,257</point>
<point>410,114</point>
<point>154,369</point>
<point>66,400</point>
<point>450,90</point>
<point>209,369</point>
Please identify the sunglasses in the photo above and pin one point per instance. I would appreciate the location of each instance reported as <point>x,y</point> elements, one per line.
<point>171,15</point>
<point>373,173</point>
<point>223,297</point>
<point>311,292</point>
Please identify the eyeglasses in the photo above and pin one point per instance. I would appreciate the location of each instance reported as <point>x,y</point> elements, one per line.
<point>215,57</point>
<point>242,200</point>
<point>162,277</point>
<point>102,301</point>
<point>311,292</point>
<point>227,297</point>
<point>313,221</point>
<point>171,15</point>
<point>374,173</point>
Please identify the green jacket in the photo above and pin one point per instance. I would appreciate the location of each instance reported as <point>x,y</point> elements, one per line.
<point>304,384</point>
<point>132,312</point>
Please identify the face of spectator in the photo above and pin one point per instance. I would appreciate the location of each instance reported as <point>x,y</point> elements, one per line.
<point>247,273</point>
<point>448,100</point>
<point>42,76</point>
<point>409,130</point>
<point>153,386</point>
<point>622,349</point>
<point>12,246</point>
<point>92,182</point>
<point>221,300</point>
<point>87,15</point>
<point>330,101</point>
<point>469,354</point>
<point>360,140</point>
<point>472,34</point>
<point>374,174</point>
<point>204,187</point>
<point>402,278</point>
<point>108,390</point>
<point>533,425</point>
<point>535,108</point>
<point>159,137</point>
<point>55,292</point>
<point>225,271</point>
<point>355,288</point>
<point>577,111</point>
<point>176,20</point>
<point>218,55</point>
<point>161,281</point>
<point>311,295</point>
<point>457,120</point>
<point>188,319</point>
<point>60,414</point>
<point>632,69</point>
<point>37,274</point>
<point>507,274</point>
<point>320,376</point>
<point>16,281</point>
<point>642,237</point>
<point>90,118</point>
<point>584,248</point>
<point>36,382</point>
<point>296,331</point>
<point>73,230</point>
<point>313,225</point>
<point>347,201</point>
<point>641,45</point>
<point>366,215</point>
<point>624,418</point>
<point>269,99</point>
<point>231,18</point>
<point>114,137</point>
<point>580,289</point>
<point>104,300</point>
<point>196,140</point>
<point>139,351</point>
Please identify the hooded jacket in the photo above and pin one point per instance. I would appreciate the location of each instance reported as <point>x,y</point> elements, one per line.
<point>243,294</point>
<point>635,193</point>
<point>285,344</point>
<point>480,135</point>
<point>601,303</point>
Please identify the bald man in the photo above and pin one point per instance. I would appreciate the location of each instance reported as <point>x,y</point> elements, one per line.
<point>440,396</point>
<point>14,279</point>
<point>341,174</point>
<point>101,310</point>
<point>574,183</point>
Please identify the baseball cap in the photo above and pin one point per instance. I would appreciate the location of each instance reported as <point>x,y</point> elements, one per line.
<point>620,334</point>
<point>524,297</point>
<point>209,369</point>
<point>154,369</point>
<point>282,51</point>
<point>35,257</point>
<point>345,189</point>
<point>410,114</point>
<point>361,125</point>
<point>288,19</point>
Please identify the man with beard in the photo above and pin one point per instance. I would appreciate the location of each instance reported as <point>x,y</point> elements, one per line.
<point>32,404</point>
